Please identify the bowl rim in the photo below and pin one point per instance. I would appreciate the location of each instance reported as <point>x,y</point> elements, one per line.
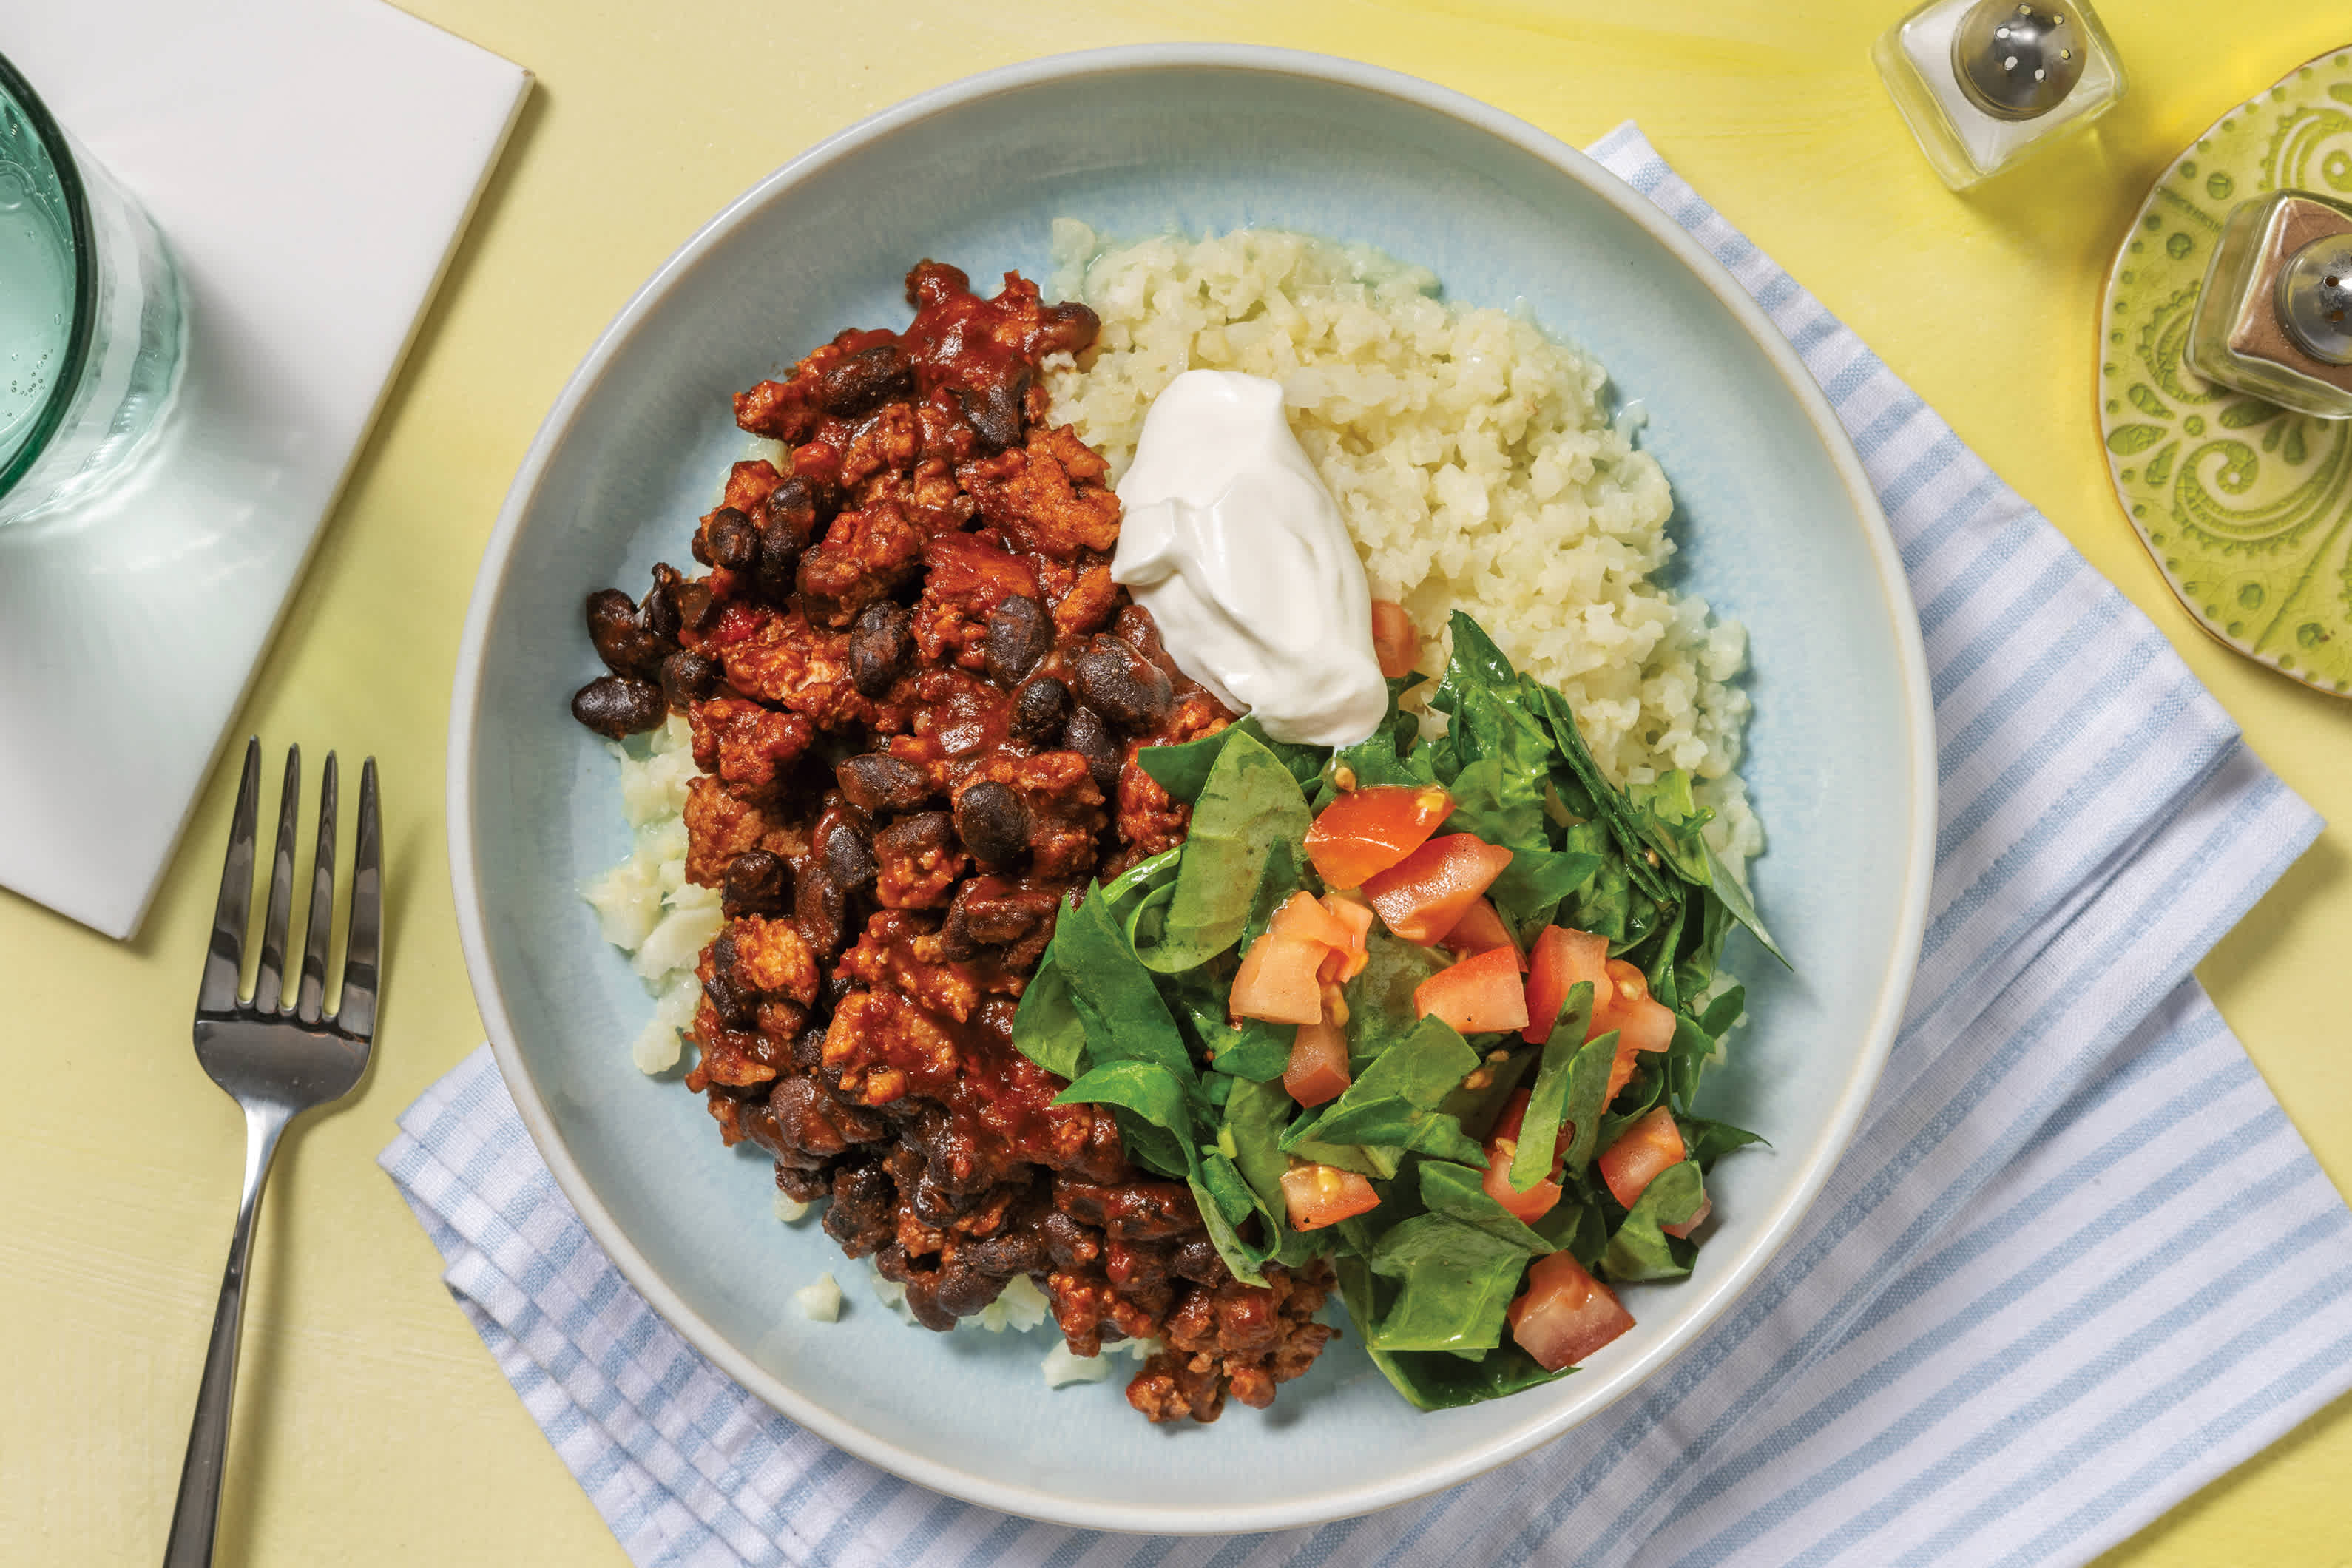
<point>1715,1297</point>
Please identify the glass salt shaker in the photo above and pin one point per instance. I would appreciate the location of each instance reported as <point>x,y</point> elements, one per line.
<point>1985,82</point>
<point>2274,317</point>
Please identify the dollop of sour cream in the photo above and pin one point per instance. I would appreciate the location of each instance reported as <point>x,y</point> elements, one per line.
<point>1234,544</point>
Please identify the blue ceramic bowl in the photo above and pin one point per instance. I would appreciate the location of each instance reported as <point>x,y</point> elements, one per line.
<point>1778,527</point>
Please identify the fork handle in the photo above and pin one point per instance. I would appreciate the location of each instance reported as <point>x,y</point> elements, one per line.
<point>196,1515</point>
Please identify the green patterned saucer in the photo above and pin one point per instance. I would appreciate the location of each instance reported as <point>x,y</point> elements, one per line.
<point>2246,507</point>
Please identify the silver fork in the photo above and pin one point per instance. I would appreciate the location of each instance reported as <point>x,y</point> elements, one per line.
<point>275,1064</point>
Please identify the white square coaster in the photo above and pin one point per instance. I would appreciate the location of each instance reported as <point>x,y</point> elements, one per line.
<point>312,163</point>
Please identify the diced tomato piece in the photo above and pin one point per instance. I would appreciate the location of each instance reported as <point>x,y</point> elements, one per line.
<point>1396,641</point>
<point>1564,1314</point>
<point>1317,1195</point>
<point>1306,917</point>
<point>1477,995</point>
<point>1563,957</point>
<point>1368,830</point>
<point>1481,929</point>
<point>1698,1216</point>
<point>1503,1147</point>
<point>1278,981</point>
<point>1651,1145</point>
<point>1348,962</point>
<point>1424,895</point>
<point>1318,1064</point>
<point>1622,1003</point>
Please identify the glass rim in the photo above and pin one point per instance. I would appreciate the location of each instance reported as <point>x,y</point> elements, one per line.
<point>51,136</point>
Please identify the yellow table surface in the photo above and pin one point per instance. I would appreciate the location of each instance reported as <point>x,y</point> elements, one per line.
<point>372,1427</point>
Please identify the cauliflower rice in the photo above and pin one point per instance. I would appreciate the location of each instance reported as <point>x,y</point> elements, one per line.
<point>1471,457</point>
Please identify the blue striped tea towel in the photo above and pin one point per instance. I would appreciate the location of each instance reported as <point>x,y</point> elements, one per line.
<point>2075,1265</point>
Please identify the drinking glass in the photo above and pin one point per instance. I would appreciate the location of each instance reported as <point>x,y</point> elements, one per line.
<point>92,323</point>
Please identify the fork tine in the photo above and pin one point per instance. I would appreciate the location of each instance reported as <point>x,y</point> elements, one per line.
<point>224,959</point>
<point>313,991</point>
<point>269,982</point>
<point>356,1014</point>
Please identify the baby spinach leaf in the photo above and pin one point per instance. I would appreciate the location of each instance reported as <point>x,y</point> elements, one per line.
<point>1182,769</point>
<point>1706,1142</point>
<point>1671,818</point>
<point>1249,806</point>
<point>1393,1119</point>
<point>1640,1249</point>
<point>1377,1161</point>
<point>1116,1003</point>
<point>1258,1050</point>
<point>1142,877</point>
<point>1239,1255</point>
<point>1687,1056</point>
<point>1587,1098</point>
<point>1393,1099</point>
<point>1380,1000</point>
<point>1477,1108</point>
<point>1548,1100</point>
<point>1224,1182</point>
<point>1435,1380</point>
<point>1471,661</point>
<point>1459,1193</point>
<point>1146,1087</point>
<point>1256,1114</point>
<point>1045,1026</point>
<point>1724,1012</point>
<point>1577,1226</point>
<point>1608,807</point>
<point>1390,754</point>
<point>1153,1111</point>
<point>1457,1281</point>
<point>1725,888</point>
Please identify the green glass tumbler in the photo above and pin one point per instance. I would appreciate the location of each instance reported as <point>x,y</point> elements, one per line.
<point>93,325</point>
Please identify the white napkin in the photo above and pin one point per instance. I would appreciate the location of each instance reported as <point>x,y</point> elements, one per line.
<point>2076,1264</point>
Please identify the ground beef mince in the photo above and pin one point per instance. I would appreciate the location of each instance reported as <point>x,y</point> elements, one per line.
<point>915,698</point>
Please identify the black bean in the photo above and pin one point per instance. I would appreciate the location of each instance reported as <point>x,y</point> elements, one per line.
<point>1040,708</point>
<point>859,383</point>
<point>1019,634</point>
<point>625,646</point>
<point>777,566</point>
<point>1007,1253</point>
<point>808,1049</point>
<point>994,411</point>
<point>1086,735</point>
<point>879,784</point>
<point>847,857</point>
<point>822,910</point>
<point>694,603</point>
<point>687,677</point>
<point>962,1290</point>
<point>923,1303</point>
<point>758,883</point>
<point>791,506</point>
<point>860,1217</point>
<point>878,645</point>
<point>732,540</point>
<point>660,612</point>
<point>1196,1260</point>
<point>992,821</point>
<point>738,1005</point>
<point>1069,1244</point>
<point>618,705</point>
<point>909,838</point>
<point>803,1186</point>
<point>1121,684</point>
